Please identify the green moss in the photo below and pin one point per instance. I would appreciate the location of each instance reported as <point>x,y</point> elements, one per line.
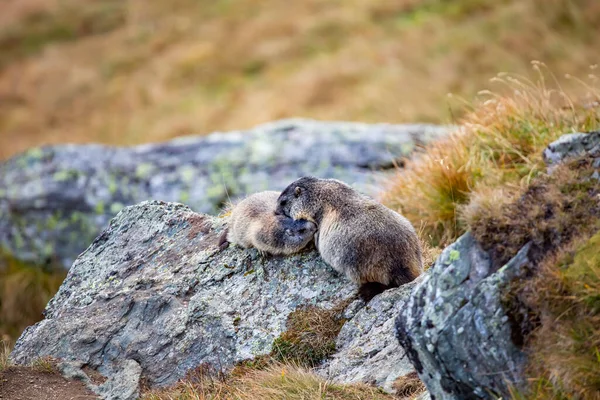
<point>116,207</point>
<point>184,196</point>
<point>52,222</point>
<point>187,173</point>
<point>454,256</point>
<point>65,175</point>
<point>144,170</point>
<point>99,207</point>
<point>112,185</point>
<point>36,153</point>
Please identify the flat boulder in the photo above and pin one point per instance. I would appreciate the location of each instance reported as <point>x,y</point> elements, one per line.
<point>154,297</point>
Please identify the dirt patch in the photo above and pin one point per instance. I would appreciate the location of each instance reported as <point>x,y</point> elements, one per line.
<point>24,383</point>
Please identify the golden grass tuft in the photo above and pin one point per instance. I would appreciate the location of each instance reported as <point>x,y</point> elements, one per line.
<point>44,364</point>
<point>4,355</point>
<point>276,382</point>
<point>499,143</point>
<point>409,386</point>
<point>310,336</point>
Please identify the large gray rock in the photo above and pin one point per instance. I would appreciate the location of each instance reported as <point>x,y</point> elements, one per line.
<point>367,349</point>
<point>456,330</point>
<point>153,297</point>
<point>55,200</point>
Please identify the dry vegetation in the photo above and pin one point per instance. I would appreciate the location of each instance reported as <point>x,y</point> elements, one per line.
<point>489,177</point>
<point>497,148</point>
<point>310,336</point>
<point>565,347</point>
<point>4,353</point>
<point>131,71</point>
<point>276,382</point>
<point>24,292</point>
<point>285,373</point>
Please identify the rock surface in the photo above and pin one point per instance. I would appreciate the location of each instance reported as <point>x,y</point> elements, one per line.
<point>55,200</point>
<point>455,329</point>
<point>572,145</point>
<point>153,297</point>
<point>367,350</point>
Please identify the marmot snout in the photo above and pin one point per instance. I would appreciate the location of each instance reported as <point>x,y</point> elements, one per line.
<point>253,223</point>
<point>373,245</point>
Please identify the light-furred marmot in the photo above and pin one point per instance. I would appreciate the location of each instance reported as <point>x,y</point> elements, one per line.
<point>373,245</point>
<point>253,223</point>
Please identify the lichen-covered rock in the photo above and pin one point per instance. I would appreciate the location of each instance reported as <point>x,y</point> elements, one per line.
<point>456,330</point>
<point>55,200</point>
<point>367,349</point>
<point>154,295</point>
<point>572,145</point>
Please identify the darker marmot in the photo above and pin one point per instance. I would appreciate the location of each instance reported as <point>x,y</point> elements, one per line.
<point>253,223</point>
<point>373,245</point>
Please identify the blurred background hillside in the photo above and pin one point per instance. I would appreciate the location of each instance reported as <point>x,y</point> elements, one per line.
<point>133,71</point>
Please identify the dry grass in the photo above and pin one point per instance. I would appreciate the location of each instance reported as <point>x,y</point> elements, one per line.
<point>4,353</point>
<point>276,382</point>
<point>44,364</point>
<point>309,337</point>
<point>552,211</point>
<point>129,71</point>
<point>24,292</point>
<point>557,309</point>
<point>499,143</point>
<point>489,177</point>
<point>565,348</point>
<point>409,386</point>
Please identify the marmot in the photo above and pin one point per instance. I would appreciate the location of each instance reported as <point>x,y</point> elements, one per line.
<point>253,223</point>
<point>373,245</point>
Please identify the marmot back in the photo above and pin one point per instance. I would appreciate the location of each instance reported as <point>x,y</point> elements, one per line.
<point>253,223</point>
<point>373,245</point>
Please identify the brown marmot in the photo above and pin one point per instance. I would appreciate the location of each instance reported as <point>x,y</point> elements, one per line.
<point>373,245</point>
<point>253,223</point>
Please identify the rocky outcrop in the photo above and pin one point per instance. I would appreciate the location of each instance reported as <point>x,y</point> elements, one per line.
<point>367,350</point>
<point>55,200</point>
<point>456,330</point>
<point>153,297</point>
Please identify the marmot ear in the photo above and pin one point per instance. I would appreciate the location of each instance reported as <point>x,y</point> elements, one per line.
<point>297,191</point>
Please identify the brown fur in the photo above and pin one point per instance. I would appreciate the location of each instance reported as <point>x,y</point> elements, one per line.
<point>253,223</point>
<point>373,245</point>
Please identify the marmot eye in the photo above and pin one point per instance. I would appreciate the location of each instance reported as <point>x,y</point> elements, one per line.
<point>301,230</point>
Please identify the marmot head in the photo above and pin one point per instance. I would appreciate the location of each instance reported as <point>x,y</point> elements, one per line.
<point>296,234</point>
<point>306,197</point>
<point>297,200</point>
